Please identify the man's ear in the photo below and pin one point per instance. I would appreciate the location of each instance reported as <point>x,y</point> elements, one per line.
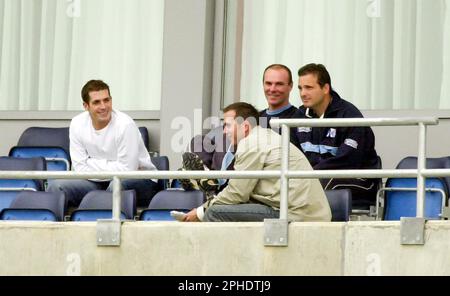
<point>326,88</point>
<point>247,127</point>
<point>85,106</point>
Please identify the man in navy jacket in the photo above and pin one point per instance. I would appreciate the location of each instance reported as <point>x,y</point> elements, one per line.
<point>330,147</point>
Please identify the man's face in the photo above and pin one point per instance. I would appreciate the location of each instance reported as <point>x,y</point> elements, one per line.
<point>311,93</point>
<point>235,131</point>
<point>277,88</point>
<point>99,107</point>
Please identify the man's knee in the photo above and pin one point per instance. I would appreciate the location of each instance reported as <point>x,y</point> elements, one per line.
<point>213,214</point>
<point>56,185</point>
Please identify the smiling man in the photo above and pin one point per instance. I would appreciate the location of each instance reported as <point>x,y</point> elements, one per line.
<point>277,84</point>
<point>101,140</point>
<point>256,199</point>
<point>330,147</point>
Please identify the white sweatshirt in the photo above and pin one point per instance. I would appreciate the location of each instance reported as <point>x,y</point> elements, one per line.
<point>117,147</point>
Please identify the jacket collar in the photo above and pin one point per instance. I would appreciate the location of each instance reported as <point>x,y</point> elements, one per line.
<point>334,106</point>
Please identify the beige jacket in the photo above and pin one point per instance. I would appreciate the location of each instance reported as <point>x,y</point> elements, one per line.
<point>261,150</point>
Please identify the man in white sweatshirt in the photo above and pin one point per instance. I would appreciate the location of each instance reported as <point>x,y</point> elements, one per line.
<point>103,139</point>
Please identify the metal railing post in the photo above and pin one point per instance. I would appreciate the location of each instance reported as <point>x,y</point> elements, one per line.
<point>116,196</point>
<point>421,163</point>
<point>108,230</point>
<point>276,230</point>
<point>284,180</point>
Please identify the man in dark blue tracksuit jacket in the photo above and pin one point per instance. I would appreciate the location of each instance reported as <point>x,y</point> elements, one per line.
<point>331,147</point>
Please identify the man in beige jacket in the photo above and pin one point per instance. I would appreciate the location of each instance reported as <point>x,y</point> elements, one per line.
<point>256,199</point>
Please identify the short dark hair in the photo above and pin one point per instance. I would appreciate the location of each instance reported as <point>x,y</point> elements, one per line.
<point>245,111</point>
<point>323,77</point>
<point>278,67</point>
<point>93,85</point>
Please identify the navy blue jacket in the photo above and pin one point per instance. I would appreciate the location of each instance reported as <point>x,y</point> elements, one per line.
<point>264,118</point>
<point>336,148</point>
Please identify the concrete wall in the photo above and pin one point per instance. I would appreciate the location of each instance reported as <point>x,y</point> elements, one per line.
<point>374,249</point>
<point>171,248</point>
<point>168,248</point>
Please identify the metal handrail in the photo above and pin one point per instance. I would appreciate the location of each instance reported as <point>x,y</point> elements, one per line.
<point>294,174</point>
<point>421,122</point>
<point>342,122</point>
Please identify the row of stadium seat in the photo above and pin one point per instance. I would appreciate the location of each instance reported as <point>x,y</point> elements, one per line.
<point>97,204</point>
<point>399,197</point>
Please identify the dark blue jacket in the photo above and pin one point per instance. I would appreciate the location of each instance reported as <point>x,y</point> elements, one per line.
<point>264,118</point>
<point>336,148</point>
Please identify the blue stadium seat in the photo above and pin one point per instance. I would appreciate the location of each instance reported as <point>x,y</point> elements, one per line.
<point>46,137</point>
<point>27,215</point>
<point>145,137</point>
<point>172,199</point>
<point>97,204</point>
<point>9,188</point>
<point>402,202</point>
<point>340,201</point>
<point>56,157</point>
<point>410,162</point>
<point>93,215</point>
<point>38,206</point>
<point>162,164</point>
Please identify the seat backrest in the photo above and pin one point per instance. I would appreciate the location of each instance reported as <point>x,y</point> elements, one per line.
<point>175,199</point>
<point>27,215</point>
<point>145,137</point>
<point>56,158</point>
<point>378,165</point>
<point>93,215</point>
<point>400,203</point>
<point>46,136</point>
<point>211,148</point>
<point>55,202</point>
<point>157,215</point>
<point>162,164</point>
<point>410,162</point>
<point>172,199</point>
<point>340,201</point>
<point>24,164</point>
<point>102,200</point>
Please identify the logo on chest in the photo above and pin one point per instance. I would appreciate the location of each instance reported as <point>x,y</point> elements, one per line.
<point>331,133</point>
